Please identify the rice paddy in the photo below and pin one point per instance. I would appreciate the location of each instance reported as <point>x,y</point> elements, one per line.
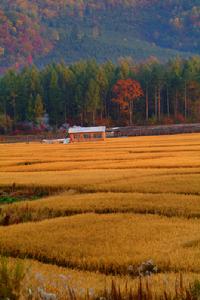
<point>104,206</point>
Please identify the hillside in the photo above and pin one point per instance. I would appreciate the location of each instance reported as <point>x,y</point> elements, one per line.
<point>40,31</point>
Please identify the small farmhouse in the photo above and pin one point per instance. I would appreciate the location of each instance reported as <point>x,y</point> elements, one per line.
<point>82,134</point>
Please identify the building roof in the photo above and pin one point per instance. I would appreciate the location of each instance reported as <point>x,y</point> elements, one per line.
<point>77,129</point>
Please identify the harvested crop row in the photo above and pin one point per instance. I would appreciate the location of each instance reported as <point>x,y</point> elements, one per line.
<point>68,203</point>
<point>180,158</point>
<point>182,180</point>
<point>107,243</point>
<point>132,151</point>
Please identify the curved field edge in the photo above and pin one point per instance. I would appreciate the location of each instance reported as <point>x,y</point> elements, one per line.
<point>184,181</point>
<point>107,243</point>
<point>70,203</point>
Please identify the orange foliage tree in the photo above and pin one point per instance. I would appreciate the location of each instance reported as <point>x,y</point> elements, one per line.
<point>126,92</point>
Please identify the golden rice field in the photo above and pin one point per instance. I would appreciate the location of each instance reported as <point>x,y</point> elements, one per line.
<point>107,206</point>
<point>107,243</point>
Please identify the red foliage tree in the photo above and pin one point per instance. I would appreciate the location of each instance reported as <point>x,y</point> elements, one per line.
<point>126,92</point>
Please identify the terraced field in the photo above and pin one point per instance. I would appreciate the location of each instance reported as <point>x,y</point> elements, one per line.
<point>95,209</point>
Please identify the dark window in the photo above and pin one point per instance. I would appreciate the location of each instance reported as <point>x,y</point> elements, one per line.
<point>97,135</point>
<point>86,136</point>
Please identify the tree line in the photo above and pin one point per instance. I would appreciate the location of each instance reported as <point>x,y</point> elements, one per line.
<point>88,93</point>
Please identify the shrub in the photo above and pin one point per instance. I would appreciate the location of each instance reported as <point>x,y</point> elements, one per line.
<point>168,121</point>
<point>5,124</point>
<point>11,278</point>
<point>195,289</point>
<point>180,118</point>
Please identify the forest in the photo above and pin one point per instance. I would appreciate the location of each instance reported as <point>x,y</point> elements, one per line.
<point>42,31</point>
<point>89,93</point>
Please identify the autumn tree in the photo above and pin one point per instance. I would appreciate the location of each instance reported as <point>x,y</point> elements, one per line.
<point>126,92</point>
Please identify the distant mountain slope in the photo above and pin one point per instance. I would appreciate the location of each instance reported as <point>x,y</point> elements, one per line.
<point>46,30</point>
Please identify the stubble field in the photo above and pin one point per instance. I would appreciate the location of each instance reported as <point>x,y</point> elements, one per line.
<point>98,208</point>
